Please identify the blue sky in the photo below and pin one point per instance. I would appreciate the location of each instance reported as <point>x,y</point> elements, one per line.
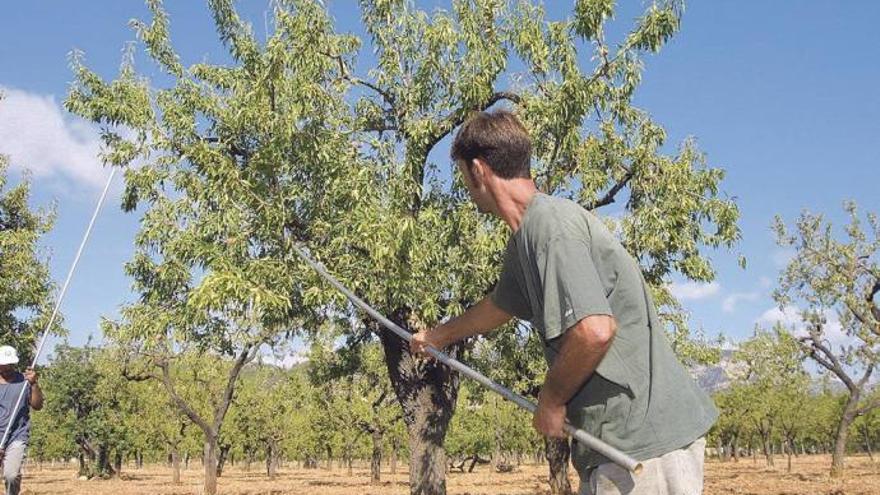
<point>780,94</point>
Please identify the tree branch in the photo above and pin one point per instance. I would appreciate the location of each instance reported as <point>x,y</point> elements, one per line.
<point>868,407</point>
<point>343,70</point>
<point>178,400</point>
<point>828,360</point>
<point>609,196</point>
<point>247,354</point>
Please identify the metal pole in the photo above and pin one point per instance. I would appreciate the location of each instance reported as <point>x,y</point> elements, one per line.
<point>58,301</point>
<point>583,437</point>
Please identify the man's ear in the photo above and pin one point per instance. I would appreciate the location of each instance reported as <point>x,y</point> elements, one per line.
<point>479,171</point>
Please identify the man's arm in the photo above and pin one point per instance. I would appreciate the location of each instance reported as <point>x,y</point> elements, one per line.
<point>483,317</point>
<point>36,401</point>
<point>583,347</point>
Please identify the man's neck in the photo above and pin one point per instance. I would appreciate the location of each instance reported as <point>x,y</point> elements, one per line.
<point>514,201</point>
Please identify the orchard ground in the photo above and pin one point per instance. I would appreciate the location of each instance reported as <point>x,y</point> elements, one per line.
<point>747,477</point>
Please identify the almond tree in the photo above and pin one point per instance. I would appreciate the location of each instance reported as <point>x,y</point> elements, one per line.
<point>834,281</point>
<point>288,143</point>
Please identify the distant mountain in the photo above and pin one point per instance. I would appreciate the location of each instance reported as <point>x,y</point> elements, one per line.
<point>717,377</point>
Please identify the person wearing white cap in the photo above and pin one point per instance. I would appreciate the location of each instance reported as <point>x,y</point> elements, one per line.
<point>19,421</point>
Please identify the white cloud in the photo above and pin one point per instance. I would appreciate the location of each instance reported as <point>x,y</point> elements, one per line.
<point>38,135</point>
<point>729,303</point>
<point>693,290</point>
<point>765,282</point>
<point>284,360</point>
<point>790,318</point>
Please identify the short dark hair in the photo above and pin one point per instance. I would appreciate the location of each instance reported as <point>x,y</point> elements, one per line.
<point>499,139</point>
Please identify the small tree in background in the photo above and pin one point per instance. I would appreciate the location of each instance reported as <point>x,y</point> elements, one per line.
<point>775,384</point>
<point>833,277</point>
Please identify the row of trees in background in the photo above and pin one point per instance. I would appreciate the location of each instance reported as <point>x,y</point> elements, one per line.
<point>317,413</point>
<point>336,408</point>
<point>773,406</point>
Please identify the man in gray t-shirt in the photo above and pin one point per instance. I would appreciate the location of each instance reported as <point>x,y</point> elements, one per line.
<point>18,421</point>
<point>612,371</point>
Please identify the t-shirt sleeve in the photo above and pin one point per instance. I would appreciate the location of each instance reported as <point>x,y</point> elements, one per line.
<point>571,284</point>
<point>508,293</point>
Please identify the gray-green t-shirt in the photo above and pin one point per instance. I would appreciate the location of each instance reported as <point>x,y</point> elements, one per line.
<point>562,265</point>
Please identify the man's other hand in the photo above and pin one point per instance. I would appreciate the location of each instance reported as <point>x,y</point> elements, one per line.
<point>549,417</point>
<point>31,376</point>
<point>421,341</point>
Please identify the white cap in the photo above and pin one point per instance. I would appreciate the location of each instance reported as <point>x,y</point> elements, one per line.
<point>8,355</point>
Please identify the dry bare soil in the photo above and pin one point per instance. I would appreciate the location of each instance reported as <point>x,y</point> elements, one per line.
<point>809,476</point>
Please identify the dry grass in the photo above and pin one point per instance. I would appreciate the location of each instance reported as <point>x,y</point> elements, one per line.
<point>809,476</point>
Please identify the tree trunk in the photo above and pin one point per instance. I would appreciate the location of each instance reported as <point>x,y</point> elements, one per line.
<point>376,459</point>
<point>221,458</point>
<point>734,448</point>
<point>837,458</point>
<point>558,451</point>
<point>768,448</point>
<point>867,442</point>
<point>117,464</point>
<point>271,459</point>
<point>719,449</point>
<point>211,463</point>
<point>329,450</point>
<point>395,446</point>
<point>175,467</point>
<point>788,451</point>
<point>427,393</point>
<point>105,470</point>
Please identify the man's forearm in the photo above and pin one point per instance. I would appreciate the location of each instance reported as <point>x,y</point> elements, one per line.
<point>582,349</point>
<point>36,402</point>
<point>480,318</point>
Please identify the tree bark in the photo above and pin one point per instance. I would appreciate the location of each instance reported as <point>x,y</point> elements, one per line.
<point>271,459</point>
<point>427,392</point>
<point>395,446</point>
<point>117,464</point>
<point>789,448</point>
<point>211,464</point>
<point>838,464</point>
<point>376,459</point>
<point>734,448</point>
<point>105,470</point>
<point>175,467</point>
<point>558,452</point>
<point>768,449</point>
<point>867,442</point>
<point>223,450</point>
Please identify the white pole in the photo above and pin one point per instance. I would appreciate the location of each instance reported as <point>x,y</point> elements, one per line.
<point>58,301</point>
<point>585,438</point>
